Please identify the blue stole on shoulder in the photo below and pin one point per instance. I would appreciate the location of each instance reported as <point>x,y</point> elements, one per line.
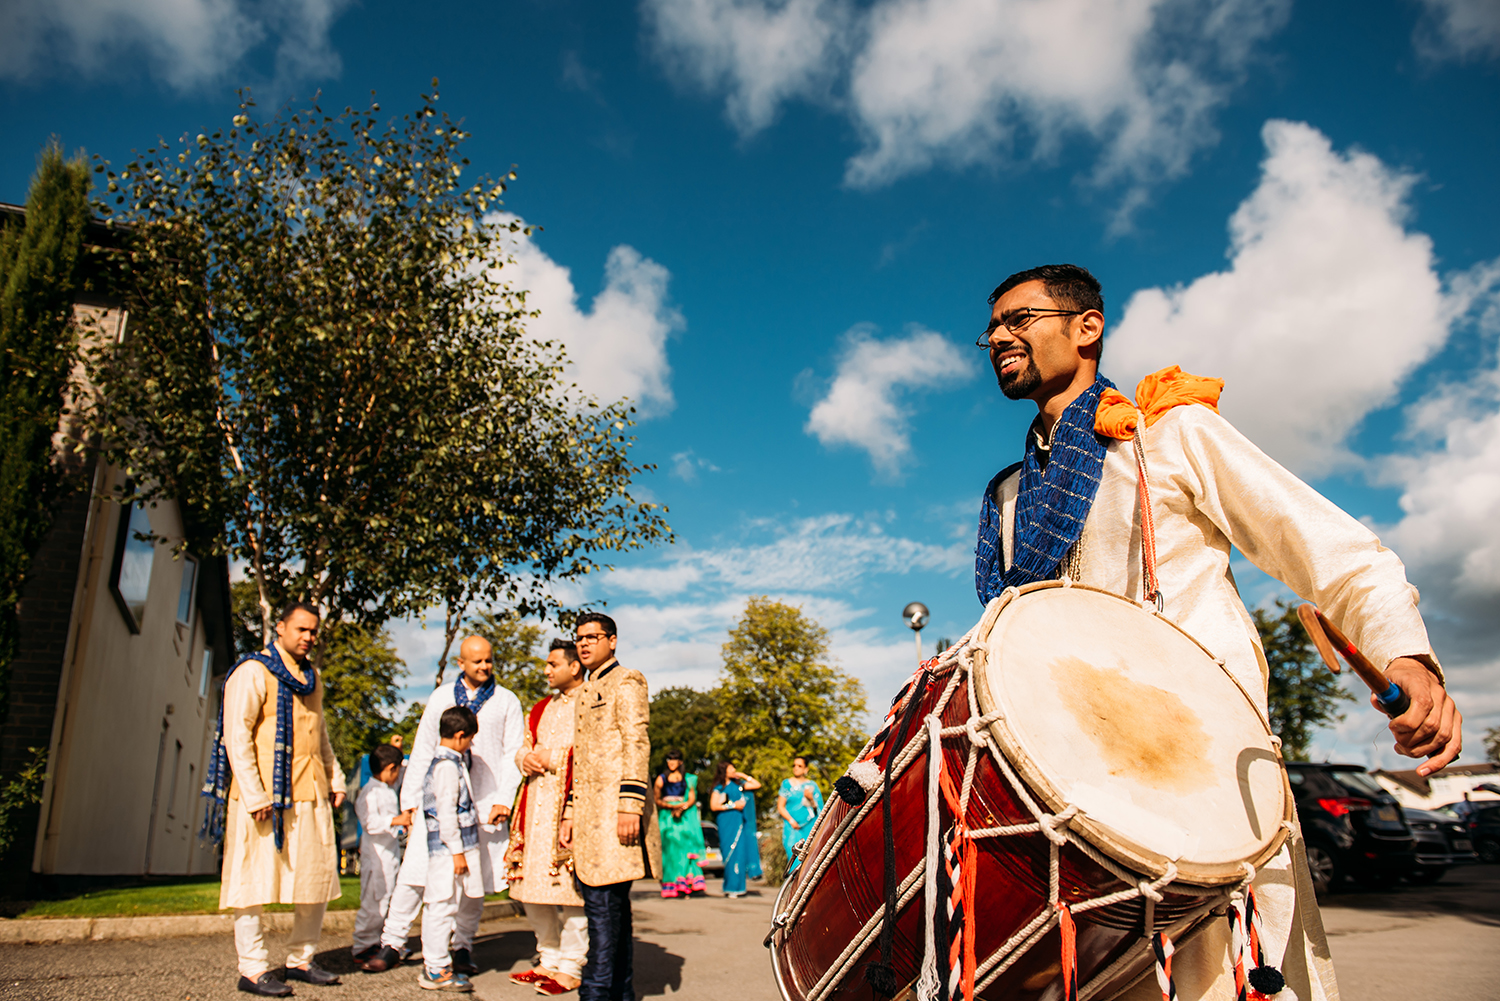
<point>481,694</point>
<point>1052,503</point>
<point>216,780</point>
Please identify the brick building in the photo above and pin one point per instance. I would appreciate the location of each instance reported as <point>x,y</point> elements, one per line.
<point>120,645</point>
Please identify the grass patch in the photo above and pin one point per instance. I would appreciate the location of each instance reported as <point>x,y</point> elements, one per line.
<point>190,896</point>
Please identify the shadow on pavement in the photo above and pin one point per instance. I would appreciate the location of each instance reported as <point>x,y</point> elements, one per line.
<point>656,969</point>
<point>1471,892</point>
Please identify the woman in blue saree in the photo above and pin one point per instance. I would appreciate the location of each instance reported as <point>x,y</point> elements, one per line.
<point>798,803</point>
<point>736,837</point>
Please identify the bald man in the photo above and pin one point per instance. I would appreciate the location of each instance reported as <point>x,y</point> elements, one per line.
<point>493,771</point>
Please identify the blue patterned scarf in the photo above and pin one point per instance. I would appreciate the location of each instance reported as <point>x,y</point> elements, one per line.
<point>481,694</point>
<point>1051,505</point>
<point>216,781</point>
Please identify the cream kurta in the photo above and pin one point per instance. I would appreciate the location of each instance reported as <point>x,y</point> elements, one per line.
<point>1211,489</point>
<point>540,882</point>
<point>306,871</point>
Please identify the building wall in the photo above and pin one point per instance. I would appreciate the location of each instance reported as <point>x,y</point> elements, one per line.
<point>130,733</point>
<point>1445,789</point>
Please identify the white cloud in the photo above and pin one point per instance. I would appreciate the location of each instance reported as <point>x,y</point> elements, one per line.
<point>761,53</point>
<point>1459,29</point>
<point>1451,480</point>
<point>685,466</point>
<point>1328,306</point>
<point>862,406</point>
<point>184,42</point>
<point>834,551</point>
<point>963,81</point>
<point>1328,303</point>
<point>618,348</point>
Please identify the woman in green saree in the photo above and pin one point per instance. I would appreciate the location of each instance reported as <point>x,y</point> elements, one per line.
<point>682,844</point>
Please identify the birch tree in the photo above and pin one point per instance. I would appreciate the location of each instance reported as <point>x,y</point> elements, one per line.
<point>327,368</point>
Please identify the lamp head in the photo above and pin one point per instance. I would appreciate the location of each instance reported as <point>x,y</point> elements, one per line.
<point>916,615</point>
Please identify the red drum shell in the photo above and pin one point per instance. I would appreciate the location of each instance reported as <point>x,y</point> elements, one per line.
<point>1011,884</point>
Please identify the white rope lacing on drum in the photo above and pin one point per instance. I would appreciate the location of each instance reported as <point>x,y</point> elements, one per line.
<point>958,663</point>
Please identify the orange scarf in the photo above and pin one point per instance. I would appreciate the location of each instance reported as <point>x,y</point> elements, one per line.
<point>1154,396</point>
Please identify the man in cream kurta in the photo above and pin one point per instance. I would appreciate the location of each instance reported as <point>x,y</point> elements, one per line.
<point>305,871</point>
<point>540,874</point>
<point>1211,489</point>
<point>495,778</point>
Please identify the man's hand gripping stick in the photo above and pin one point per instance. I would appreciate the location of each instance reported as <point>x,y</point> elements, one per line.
<point>1327,638</point>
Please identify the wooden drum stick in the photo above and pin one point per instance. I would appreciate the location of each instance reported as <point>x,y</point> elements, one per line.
<point>1327,638</point>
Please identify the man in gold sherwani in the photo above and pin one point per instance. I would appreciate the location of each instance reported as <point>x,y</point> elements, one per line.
<point>279,843</point>
<point>539,872</point>
<point>1071,507</point>
<point>609,822</point>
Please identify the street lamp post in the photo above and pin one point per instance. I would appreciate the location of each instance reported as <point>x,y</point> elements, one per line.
<point>916,616</point>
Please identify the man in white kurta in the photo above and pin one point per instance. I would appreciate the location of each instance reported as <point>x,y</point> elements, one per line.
<point>495,778</point>
<point>1211,489</point>
<point>305,871</point>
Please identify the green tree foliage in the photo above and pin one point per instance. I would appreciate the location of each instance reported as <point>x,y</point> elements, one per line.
<point>684,719</point>
<point>39,278</point>
<point>517,663</point>
<point>777,698</point>
<point>1492,744</point>
<point>20,802</point>
<point>1303,694</point>
<point>362,686</point>
<point>326,358</point>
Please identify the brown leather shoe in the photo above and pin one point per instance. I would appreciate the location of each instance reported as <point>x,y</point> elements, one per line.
<point>386,959</point>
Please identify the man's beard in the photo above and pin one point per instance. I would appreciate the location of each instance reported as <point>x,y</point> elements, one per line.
<point>1023,383</point>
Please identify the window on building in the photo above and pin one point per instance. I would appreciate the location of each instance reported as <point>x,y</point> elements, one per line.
<point>130,580</point>
<point>206,673</point>
<point>188,592</point>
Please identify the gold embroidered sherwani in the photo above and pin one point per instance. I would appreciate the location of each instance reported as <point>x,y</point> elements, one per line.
<point>611,754</point>
<point>306,871</point>
<point>539,880</point>
<point>1212,489</point>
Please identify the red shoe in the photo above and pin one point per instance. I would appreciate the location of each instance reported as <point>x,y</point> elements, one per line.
<point>550,987</point>
<point>528,977</point>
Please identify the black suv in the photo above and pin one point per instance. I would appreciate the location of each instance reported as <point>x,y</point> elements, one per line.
<point>1483,822</point>
<point>1352,827</point>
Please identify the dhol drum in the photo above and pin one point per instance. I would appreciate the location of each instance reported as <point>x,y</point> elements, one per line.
<point>1105,787</point>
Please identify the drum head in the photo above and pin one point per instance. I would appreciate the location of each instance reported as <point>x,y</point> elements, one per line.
<point>1119,712</point>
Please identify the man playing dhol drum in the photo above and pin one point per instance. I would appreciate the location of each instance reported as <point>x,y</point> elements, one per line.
<point>1070,508</point>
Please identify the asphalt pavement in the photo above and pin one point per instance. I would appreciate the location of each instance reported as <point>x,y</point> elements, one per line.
<point>1398,944</point>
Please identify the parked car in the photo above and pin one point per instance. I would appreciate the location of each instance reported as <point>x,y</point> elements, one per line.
<point>1483,822</point>
<point>1351,826</point>
<point>1442,842</point>
<point>713,862</point>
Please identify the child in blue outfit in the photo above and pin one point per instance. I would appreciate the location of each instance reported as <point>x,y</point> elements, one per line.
<point>452,832</point>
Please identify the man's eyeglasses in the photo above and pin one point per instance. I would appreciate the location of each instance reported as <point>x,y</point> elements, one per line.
<point>590,638</point>
<point>1018,321</point>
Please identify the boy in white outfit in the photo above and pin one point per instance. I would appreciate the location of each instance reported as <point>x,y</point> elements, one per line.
<point>452,822</point>
<point>380,818</point>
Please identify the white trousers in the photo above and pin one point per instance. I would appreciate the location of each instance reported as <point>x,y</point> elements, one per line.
<point>255,958</point>
<point>406,901</point>
<point>377,880</point>
<point>562,936</point>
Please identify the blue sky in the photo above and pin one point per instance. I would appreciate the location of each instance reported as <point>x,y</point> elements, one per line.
<point>774,223</point>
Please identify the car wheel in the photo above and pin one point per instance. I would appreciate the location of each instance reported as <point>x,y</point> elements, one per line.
<point>1323,867</point>
<point>1426,875</point>
<point>1489,850</point>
